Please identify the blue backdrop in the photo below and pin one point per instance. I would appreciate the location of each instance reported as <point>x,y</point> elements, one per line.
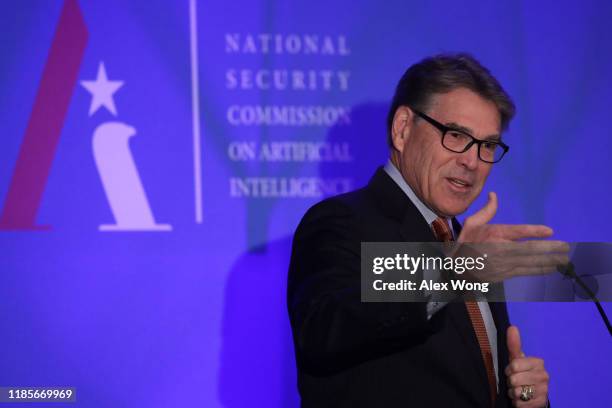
<point>156,156</point>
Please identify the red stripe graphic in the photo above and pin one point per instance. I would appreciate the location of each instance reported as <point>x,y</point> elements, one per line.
<point>46,121</point>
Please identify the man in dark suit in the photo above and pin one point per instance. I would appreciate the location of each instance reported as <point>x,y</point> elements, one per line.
<point>444,134</point>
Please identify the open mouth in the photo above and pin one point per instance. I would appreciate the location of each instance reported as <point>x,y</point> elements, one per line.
<point>459,184</point>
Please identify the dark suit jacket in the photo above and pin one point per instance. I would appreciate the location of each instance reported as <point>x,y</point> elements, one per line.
<point>354,354</point>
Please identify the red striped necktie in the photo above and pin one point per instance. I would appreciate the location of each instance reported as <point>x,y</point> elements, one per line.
<point>443,233</point>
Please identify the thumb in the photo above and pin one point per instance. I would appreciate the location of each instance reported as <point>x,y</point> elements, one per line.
<point>513,339</point>
<point>486,213</point>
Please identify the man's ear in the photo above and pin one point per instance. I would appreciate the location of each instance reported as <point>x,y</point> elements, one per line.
<point>401,127</point>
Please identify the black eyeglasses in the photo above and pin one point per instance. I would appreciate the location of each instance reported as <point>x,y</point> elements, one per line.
<point>459,141</point>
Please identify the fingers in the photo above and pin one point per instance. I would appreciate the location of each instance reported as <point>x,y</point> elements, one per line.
<point>498,275</point>
<point>533,247</point>
<point>522,231</point>
<point>522,364</point>
<point>551,260</point>
<point>529,271</point>
<point>525,258</point>
<point>525,371</point>
<point>527,265</point>
<point>486,213</point>
<point>540,396</point>
<point>513,340</point>
<point>527,377</point>
<point>501,232</point>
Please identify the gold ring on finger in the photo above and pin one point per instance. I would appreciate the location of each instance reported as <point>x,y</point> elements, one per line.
<point>527,392</point>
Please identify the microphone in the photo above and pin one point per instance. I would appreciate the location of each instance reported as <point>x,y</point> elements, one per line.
<point>569,271</point>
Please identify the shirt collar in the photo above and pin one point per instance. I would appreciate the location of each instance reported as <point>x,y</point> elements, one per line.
<point>396,176</point>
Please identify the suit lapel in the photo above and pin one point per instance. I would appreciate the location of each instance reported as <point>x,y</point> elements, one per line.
<point>394,203</point>
<point>415,229</point>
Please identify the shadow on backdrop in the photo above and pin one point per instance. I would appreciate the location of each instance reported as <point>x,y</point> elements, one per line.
<point>257,367</point>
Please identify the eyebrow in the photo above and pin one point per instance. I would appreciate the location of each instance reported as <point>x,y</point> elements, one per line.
<point>456,126</point>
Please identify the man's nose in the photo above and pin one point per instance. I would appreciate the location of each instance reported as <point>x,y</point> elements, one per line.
<point>469,159</point>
